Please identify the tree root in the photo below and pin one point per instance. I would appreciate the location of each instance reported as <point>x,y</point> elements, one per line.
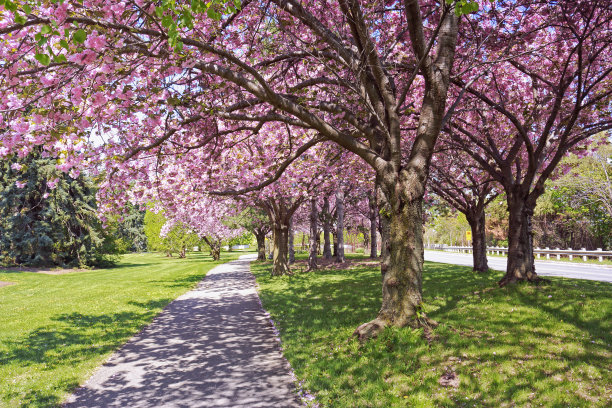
<point>369,330</point>
<point>512,279</point>
<point>373,328</point>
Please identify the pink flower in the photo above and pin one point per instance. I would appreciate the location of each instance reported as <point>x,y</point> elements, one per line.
<point>16,166</point>
<point>95,41</point>
<point>20,184</point>
<point>52,183</point>
<point>76,95</point>
<point>60,12</point>
<point>21,127</point>
<point>74,173</point>
<point>98,99</point>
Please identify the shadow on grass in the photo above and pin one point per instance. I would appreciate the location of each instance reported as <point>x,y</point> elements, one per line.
<point>521,345</point>
<point>78,337</point>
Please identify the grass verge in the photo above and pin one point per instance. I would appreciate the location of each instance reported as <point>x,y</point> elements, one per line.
<point>522,345</point>
<point>55,330</point>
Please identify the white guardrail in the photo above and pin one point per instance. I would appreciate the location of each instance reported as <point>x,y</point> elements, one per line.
<point>538,252</point>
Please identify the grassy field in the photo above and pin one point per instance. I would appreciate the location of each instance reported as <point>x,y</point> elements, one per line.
<point>55,330</point>
<point>521,346</point>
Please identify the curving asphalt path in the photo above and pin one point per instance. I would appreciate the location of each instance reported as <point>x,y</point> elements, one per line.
<point>212,347</point>
<point>601,273</point>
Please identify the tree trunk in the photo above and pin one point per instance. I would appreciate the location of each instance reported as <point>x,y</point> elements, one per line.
<point>314,247</point>
<point>280,266</point>
<point>520,243</point>
<point>327,254</point>
<point>290,245</point>
<point>182,253</point>
<point>373,226</point>
<point>335,241</point>
<point>479,241</point>
<point>402,271</point>
<point>261,245</point>
<point>215,251</point>
<point>340,225</point>
<point>215,248</point>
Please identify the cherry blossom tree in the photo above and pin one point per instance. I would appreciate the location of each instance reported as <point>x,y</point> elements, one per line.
<point>458,180</point>
<point>550,93</point>
<point>190,81</point>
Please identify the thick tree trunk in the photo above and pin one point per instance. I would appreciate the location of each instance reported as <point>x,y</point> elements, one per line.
<point>280,266</point>
<point>261,245</point>
<point>183,253</point>
<point>327,254</point>
<point>290,239</point>
<point>402,271</point>
<point>520,243</point>
<point>340,225</point>
<point>373,226</point>
<point>314,247</point>
<point>479,241</point>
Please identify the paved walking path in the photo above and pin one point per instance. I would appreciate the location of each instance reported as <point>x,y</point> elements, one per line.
<point>212,347</point>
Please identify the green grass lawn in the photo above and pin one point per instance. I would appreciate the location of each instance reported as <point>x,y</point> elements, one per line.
<point>55,330</point>
<point>520,346</point>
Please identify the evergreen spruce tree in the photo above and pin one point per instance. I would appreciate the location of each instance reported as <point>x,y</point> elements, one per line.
<point>131,229</point>
<point>47,218</point>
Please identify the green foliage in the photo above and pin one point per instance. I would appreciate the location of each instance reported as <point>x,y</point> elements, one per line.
<point>576,210</point>
<point>447,229</point>
<point>40,226</point>
<point>523,345</point>
<point>130,229</point>
<point>463,7</point>
<point>56,329</point>
<point>177,240</point>
<point>245,239</point>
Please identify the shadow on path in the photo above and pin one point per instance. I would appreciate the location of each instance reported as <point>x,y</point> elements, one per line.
<point>212,347</point>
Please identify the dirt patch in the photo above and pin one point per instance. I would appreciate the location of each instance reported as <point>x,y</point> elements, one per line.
<point>4,283</point>
<point>449,379</point>
<point>45,271</point>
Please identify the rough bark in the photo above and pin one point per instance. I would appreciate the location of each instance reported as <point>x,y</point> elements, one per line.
<point>327,254</point>
<point>402,269</point>
<point>340,225</point>
<point>314,247</point>
<point>403,181</point>
<point>479,241</point>
<point>335,243</point>
<point>260,236</point>
<point>521,265</point>
<point>280,264</point>
<point>215,248</point>
<point>216,252</point>
<point>373,218</point>
<point>290,244</point>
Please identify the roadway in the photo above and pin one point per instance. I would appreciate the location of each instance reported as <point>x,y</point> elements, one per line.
<point>588,271</point>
